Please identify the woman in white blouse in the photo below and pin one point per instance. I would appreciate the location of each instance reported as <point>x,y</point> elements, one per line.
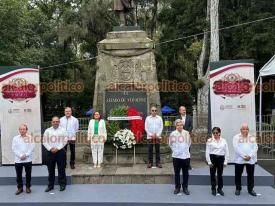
<point>217,155</point>
<point>97,136</point>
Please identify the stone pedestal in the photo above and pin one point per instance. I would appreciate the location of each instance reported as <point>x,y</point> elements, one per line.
<point>126,72</point>
<point>126,157</point>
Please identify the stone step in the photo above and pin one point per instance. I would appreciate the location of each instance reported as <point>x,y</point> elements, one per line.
<point>134,195</point>
<point>139,174</point>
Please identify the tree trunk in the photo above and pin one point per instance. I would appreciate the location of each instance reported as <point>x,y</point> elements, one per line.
<point>207,56</point>
<point>154,19</point>
<point>214,25</point>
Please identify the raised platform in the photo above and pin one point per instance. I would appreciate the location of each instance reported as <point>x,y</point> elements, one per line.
<point>39,175</point>
<point>134,195</point>
<point>140,174</point>
<point>133,174</point>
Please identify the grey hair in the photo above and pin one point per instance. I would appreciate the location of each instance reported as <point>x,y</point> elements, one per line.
<point>23,125</point>
<point>244,125</point>
<point>177,121</point>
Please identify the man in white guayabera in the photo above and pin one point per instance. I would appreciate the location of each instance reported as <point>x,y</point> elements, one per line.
<point>180,141</point>
<point>153,128</point>
<point>71,125</point>
<point>245,146</point>
<point>23,146</point>
<point>54,140</point>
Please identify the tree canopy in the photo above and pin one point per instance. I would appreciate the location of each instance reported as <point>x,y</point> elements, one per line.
<point>51,32</point>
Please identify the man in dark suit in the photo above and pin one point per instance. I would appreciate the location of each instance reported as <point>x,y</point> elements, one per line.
<point>187,121</point>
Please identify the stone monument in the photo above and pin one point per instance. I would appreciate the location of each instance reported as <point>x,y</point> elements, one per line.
<point>124,7</point>
<point>126,76</point>
<point>126,72</point>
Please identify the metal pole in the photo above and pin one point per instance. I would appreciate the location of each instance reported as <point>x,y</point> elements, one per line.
<point>260,108</point>
<point>116,155</point>
<point>134,154</point>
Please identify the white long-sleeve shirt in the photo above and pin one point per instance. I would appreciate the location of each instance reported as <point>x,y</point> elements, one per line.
<point>55,138</point>
<point>245,146</point>
<point>71,125</point>
<point>217,147</point>
<point>22,146</point>
<point>179,143</point>
<point>153,125</point>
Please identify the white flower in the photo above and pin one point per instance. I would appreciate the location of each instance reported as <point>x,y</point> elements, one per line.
<point>125,138</point>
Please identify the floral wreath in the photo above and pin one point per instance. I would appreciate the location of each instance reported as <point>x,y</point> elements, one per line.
<point>117,128</point>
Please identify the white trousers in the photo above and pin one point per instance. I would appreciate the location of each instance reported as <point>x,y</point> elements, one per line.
<point>97,152</point>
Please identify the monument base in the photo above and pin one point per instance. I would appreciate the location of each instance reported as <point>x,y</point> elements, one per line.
<point>127,156</point>
<point>126,28</point>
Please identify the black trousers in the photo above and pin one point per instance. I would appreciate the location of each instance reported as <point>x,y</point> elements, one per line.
<point>151,143</point>
<point>217,167</point>
<point>181,164</point>
<point>58,158</point>
<point>72,149</point>
<point>250,176</point>
<point>19,171</point>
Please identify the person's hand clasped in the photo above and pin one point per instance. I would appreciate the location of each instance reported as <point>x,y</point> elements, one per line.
<point>54,150</point>
<point>23,157</point>
<point>154,136</point>
<point>247,158</point>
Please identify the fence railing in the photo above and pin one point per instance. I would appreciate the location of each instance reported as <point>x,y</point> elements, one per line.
<point>266,145</point>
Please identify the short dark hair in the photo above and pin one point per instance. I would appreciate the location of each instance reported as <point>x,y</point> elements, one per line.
<point>68,108</point>
<point>55,117</point>
<point>216,129</point>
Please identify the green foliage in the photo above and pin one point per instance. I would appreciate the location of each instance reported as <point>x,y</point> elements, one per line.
<point>199,83</point>
<point>119,112</point>
<point>177,60</point>
<point>50,32</point>
<point>114,126</point>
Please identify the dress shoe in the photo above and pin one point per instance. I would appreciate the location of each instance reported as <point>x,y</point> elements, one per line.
<point>149,165</point>
<point>159,165</point>
<point>185,191</point>
<point>176,191</point>
<point>214,192</point>
<point>28,190</point>
<point>72,166</point>
<point>220,192</point>
<point>48,189</point>
<point>237,192</point>
<point>62,188</point>
<point>253,193</point>
<point>19,191</point>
